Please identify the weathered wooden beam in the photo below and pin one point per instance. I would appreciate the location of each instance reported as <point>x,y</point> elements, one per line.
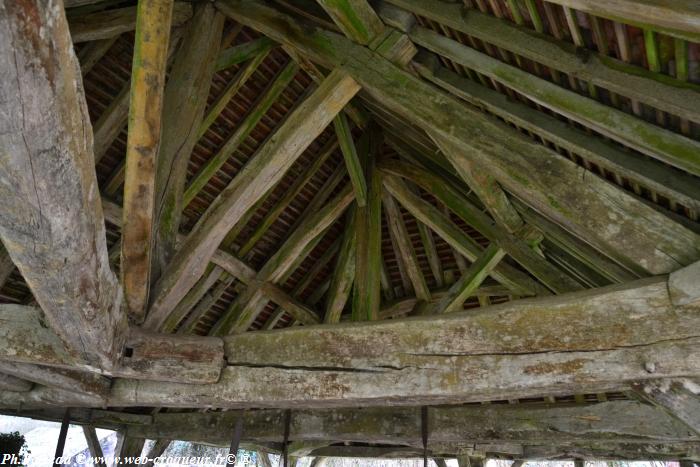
<point>94,447</point>
<point>184,102</point>
<point>295,248</point>
<point>343,272</point>
<point>26,339</point>
<point>470,280</point>
<point>366,294</point>
<point>593,341</point>
<point>619,421</point>
<point>453,235</point>
<point>14,384</point>
<point>243,52</point>
<point>486,188</point>
<point>657,90</point>
<point>110,23</point>
<point>517,248</point>
<point>516,163</point>
<point>188,326</point>
<point>71,380</point>
<point>683,285</point>
<point>679,19</point>
<point>143,142</point>
<point>407,254</point>
<point>257,178</point>
<point>355,18</point>
<point>352,161</point>
<point>664,145</point>
<point>680,398</point>
<point>51,220</point>
<point>128,446</point>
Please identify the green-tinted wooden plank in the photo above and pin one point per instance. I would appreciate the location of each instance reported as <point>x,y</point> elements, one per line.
<point>352,162</point>
<point>244,52</point>
<point>343,272</point>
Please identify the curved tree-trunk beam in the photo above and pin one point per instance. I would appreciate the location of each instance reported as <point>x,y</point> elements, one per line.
<point>51,219</point>
<point>257,177</point>
<point>537,175</point>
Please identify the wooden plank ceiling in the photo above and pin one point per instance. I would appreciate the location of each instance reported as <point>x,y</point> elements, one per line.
<point>430,231</point>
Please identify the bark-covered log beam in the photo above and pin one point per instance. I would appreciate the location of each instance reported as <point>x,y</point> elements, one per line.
<point>522,167</point>
<point>111,23</point>
<point>160,357</point>
<point>51,219</point>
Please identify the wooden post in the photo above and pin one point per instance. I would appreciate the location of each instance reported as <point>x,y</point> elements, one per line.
<point>61,444</point>
<point>143,142</point>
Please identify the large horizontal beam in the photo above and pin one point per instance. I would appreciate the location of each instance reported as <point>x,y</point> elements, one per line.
<point>609,218</point>
<point>51,219</point>
<point>512,430</point>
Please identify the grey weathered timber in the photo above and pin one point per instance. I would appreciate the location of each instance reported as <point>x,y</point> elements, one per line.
<point>94,447</point>
<point>253,182</point>
<point>403,306</point>
<point>654,89</point>
<point>26,339</point>
<point>470,280</point>
<point>461,242</point>
<point>128,446</point>
<point>110,23</point>
<point>157,449</point>
<point>683,285</point>
<point>14,384</point>
<point>659,143</point>
<point>526,348</point>
<point>142,147</point>
<point>517,248</point>
<point>343,272</point>
<point>352,161</point>
<point>71,380</point>
<point>355,18</point>
<point>609,217</point>
<point>184,102</point>
<point>188,326</point>
<point>407,254</point>
<point>619,421</point>
<point>244,52</point>
<point>296,247</point>
<point>680,398</point>
<point>51,219</point>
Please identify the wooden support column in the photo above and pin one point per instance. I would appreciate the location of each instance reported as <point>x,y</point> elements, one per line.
<point>252,183</point>
<point>184,104</point>
<point>128,446</point>
<point>62,434</point>
<point>355,18</point>
<point>143,142</point>
<point>94,447</point>
<point>368,231</point>
<point>352,161</point>
<point>157,450</point>
<point>610,219</point>
<point>51,220</point>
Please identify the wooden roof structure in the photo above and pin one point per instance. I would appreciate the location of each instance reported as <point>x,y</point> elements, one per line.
<point>372,222</point>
